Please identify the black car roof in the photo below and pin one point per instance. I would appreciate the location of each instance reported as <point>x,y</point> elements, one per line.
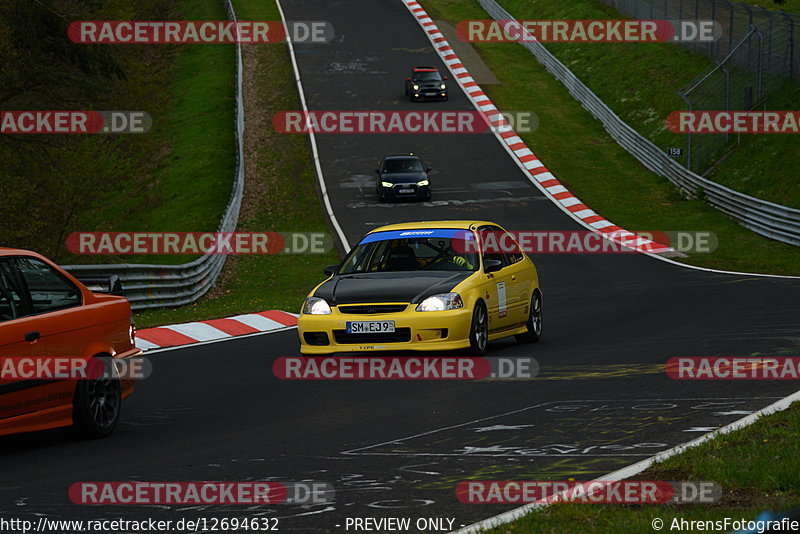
<point>404,156</point>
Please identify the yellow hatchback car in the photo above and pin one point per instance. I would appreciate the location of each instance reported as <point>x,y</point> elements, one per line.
<point>425,286</point>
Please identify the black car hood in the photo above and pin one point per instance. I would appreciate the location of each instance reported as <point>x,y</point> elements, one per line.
<point>413,286</point>
<point>404,177</point>
<point>429,84</point>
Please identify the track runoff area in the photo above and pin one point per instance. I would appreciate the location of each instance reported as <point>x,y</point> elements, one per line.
<point>215,439</point>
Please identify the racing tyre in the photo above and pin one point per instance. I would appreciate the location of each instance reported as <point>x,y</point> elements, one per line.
<point>479,330</point>
<point>534,324</point>
<point>98,402</point>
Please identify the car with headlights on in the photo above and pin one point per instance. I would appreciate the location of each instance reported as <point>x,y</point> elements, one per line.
<point>425,83</point>
<point>424,286</point>
<point>402,177</point>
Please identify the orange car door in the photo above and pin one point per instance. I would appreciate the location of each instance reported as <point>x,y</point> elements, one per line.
<point>19,338</point>
<point>44,293</point>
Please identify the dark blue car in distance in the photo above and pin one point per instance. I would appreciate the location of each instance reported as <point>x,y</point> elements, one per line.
<point>402,177</point>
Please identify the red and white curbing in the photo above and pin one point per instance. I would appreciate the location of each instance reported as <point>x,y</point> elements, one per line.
<point>213,329</point>
<point>535,169</point>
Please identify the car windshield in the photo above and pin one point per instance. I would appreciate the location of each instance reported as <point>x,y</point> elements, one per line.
<point>402,165</point>
<point>427,76</point>
<point>413,250</point>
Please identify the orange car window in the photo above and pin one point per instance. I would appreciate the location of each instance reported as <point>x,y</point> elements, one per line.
<point>12,305</point>
<point>47,289</point>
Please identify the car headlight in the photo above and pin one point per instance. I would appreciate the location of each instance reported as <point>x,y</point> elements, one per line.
<point>416,87</point>
<point>443,86</point>
<point>316,306</point>
<point>423,182</point>
<point>387,184</point>
<point>441,302</point>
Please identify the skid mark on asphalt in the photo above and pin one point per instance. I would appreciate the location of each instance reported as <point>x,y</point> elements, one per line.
<point>584,372</point>
<point>580,428</point>
<point>563,469</point>
<point>453,202</point>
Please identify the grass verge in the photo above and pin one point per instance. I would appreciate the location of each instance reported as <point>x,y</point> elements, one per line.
<point>579,151</point>
<point>188,157</point>
<point>280,194</point>
<point>790,6</point>
<point>639,82</point>
<point>755,466</point>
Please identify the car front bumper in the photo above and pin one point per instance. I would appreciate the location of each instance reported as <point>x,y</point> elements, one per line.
<point>418,191</point>
<point>429,95</point>
<point>422,331</point>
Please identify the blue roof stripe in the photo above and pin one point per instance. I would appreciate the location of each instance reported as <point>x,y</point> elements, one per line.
<point>411,233</point>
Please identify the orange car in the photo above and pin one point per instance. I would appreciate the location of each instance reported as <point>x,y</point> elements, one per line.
<point>47,315</point>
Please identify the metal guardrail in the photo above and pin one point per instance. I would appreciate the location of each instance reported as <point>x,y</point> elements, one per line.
<point>766,218</point>
<point>157,286</point>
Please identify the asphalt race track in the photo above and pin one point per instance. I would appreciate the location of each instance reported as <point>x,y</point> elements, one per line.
<point>215,411</point>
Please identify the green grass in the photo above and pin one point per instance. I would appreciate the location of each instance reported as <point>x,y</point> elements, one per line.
<point>639,82</point>
<point>582,155</point>
<point>186,174</point>
<point>790,6</point>
<point>756,467</point>
<point>764,165</point>
<point>280,195</point>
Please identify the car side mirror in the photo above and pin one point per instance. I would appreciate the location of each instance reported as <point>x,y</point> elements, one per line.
<point>330,270</point>
<point>377,171</point>
<point>445,78</point>
<point>408,79</point>
<point>490,266</point>
<point>115,286</point>
<point>428,169</point>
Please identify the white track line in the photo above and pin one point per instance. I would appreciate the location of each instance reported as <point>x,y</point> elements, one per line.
<point>535,179</point>
<point>312,138</point>
<point>636,468</point>
<point>644,464</point>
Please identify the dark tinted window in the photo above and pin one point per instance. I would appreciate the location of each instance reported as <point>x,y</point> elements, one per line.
<point>47,289</point>
<point>12,290</point>
<point>402,165</point>
<point>514,255</point>
<point>483,232</point>
<point>427,76</point>
<point>411,254</point>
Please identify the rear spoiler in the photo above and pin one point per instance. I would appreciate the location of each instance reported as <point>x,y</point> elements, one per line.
<point>110,285</point>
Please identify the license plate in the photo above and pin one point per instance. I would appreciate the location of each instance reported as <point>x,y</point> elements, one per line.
<point>402,191</point>
<point>364,327</point>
